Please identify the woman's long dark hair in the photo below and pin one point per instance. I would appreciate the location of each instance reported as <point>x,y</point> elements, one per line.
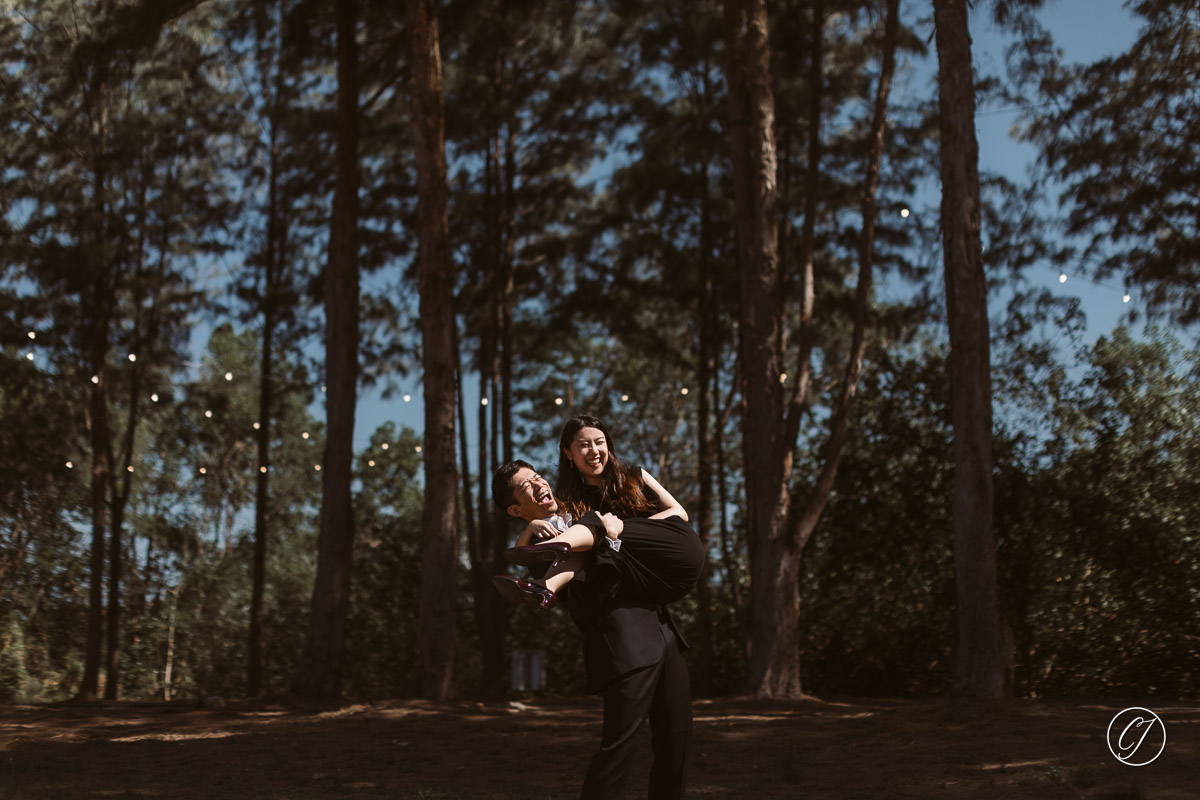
<point>622,492</point>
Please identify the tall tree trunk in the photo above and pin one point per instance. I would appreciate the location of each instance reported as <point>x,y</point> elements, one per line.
<point>272,275</point>
<point>774,564</point>
<point>439,523</point>
<point>101,305</point>
<point>804,523</point>
<point>982,660</point>
<point>703,672</point>
<point>320,667</point>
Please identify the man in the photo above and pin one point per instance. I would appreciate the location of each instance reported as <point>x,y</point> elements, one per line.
<point>631,653</point>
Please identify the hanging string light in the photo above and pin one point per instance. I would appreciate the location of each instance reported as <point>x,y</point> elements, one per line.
<point>384,446</point>
<point>133,356</point>
<point>483,402</point>
<point>228,376</point>
<point>558,401</point>
<point>408,398</point>
<point>32,335</point>
<point>683,391</point>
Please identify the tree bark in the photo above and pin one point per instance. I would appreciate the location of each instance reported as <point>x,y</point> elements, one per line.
<point>101,304</point>
<point>981,661</point>
<point>439,558</point>
<point>774,566</point>
<point>320,667</point>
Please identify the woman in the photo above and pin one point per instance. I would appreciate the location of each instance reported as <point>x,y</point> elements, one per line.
<point>644,546</point>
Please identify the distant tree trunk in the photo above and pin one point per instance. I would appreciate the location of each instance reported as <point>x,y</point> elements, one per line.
<point>320,667</point>
<point>804,523</point>
<point>703,673</point>
<point>101,304</point>
<point>982,660</point>
<point>436,618</point>
<point>266,395</point>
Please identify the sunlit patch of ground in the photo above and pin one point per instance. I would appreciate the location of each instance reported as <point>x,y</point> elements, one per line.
<point>848,748</point>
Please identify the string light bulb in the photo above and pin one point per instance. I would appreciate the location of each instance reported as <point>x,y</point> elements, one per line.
<point>154,397</point>
<point>384,446</point>
<point>408,398</point>
<point>129,468</point>
<point>70,465</point>
<point>257,426</point>
<point>1126,298</point>
<point>133,356</point>
<point>683,391</point>
<point>262,469</point>
<point>322,388</point>
<point>371,463</point>
<point>208,413</point>
<point>95,379</point>
<point>203,470</point>
<point>32,335</point>
<point>418,448</point>
<point>228,376</point>
<point>904,212</point>
<point>483,402</point>
<point>624,398</point>
<point>304,435</point>
<point>317,467</point>
<point>1062,277</point>
<point>783,377</point>
<point>558,401</point>
<point>29,356</point>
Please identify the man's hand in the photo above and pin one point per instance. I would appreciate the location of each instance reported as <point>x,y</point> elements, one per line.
<point>612,525</point>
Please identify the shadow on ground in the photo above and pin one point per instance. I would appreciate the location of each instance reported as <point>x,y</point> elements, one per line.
<point>868,749</point>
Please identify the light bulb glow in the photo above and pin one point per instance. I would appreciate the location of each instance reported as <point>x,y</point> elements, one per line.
<point>483,402</point>
<point>317,467</point>
<point>154,397</point>
<point>32,335</point>
<point>904,212</point>
<point>228,376</point>
<point>70,465</point>
<point>262,469</point>
<point>624,398</point>
<point>257,426</point>
<point>683,391</point>
<point>1126,298</point>
<point>129,468</point>
<point>203,471</point>
<point>29,356</point>
<point>133,356</point>
<point>304,435</point>
<point>408,398</point>
<point>1062,277</point>
<point>95,379</point>
<point>384,446</point>
<point>558,401</point>
<point>371,463</point>
<point>418,448</point>
<point>208,414</point>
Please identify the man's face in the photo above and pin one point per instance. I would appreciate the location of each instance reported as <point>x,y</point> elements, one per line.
<point>532,496</point>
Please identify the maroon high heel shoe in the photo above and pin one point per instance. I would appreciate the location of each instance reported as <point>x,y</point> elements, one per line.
<point>519,590</point>
<point>527,555</point>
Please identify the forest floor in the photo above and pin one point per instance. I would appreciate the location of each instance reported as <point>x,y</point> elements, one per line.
<point>851,748</point>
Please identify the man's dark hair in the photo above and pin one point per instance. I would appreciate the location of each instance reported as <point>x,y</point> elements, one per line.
<point>502,491</point>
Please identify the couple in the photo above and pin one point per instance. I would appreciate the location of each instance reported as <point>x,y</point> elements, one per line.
<point>629,553</point>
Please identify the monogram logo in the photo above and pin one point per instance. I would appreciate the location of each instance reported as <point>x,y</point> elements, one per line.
<point>1136,736</point>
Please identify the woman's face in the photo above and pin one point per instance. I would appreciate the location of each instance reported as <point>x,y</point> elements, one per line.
<point>588,451</point>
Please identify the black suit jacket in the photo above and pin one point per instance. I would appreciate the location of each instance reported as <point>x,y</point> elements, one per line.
<point>620,635</point>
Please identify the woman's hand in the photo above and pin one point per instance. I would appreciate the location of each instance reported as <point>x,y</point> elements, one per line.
<point>538,529</point>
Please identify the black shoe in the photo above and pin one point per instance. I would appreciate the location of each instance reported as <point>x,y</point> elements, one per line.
<point>527,555</point>
<point>519,590</point>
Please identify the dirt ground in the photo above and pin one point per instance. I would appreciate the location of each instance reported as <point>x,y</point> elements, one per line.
<point>849,748</point>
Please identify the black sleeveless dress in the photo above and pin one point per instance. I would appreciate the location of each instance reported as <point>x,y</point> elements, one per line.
<point>659,560</point>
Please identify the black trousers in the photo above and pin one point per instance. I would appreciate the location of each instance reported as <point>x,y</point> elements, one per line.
<point>662,692</point>
<point>660,560</point>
